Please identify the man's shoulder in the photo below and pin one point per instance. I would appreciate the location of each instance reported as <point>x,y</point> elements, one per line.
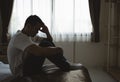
<point>19,34</point>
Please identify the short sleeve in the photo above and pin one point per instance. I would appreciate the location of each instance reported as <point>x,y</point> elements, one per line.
<point>22,41</point>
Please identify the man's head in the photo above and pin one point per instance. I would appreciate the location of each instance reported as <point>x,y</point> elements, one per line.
<point>32,25</point>
<point>33,20</point>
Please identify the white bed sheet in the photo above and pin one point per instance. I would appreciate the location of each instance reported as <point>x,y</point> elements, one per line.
<point>4,71</point>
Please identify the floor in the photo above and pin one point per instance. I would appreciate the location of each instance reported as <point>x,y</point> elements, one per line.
<point>99,75</point>
<point>96,74</point>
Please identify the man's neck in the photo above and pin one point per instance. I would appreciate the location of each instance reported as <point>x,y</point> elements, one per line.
<point>25,32</point>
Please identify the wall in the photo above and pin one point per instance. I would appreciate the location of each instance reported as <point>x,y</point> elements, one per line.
<point>91,54</point>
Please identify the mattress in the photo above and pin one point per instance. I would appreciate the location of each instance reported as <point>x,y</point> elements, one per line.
<point>50,74</point>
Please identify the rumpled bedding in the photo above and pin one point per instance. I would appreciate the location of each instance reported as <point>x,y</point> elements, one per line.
<point>50,74</point>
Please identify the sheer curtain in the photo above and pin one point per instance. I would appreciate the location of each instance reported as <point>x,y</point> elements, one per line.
<point>67,20</point>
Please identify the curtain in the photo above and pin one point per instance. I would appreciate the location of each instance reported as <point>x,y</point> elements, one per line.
<point>94,6</point>
<point>67,20</point>
<point>6,9</point>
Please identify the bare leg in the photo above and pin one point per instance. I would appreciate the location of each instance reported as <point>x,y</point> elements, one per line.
<point>58,59</point>
<point>32,65</point>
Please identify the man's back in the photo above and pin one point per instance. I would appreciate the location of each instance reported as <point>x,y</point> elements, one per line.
<point>16,48</point>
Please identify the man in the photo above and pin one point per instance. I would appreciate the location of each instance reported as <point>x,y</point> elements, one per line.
<point>26,56</point>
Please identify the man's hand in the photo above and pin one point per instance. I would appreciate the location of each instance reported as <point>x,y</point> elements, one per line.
<point>44,29</point>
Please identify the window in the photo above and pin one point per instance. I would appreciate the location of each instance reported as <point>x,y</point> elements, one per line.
<point>67,20</point>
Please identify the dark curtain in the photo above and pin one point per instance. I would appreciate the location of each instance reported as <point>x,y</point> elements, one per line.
<point>94,6</point>
<point>6,9</point>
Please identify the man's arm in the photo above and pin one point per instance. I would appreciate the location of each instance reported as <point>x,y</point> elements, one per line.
<point>44,29</point>
<point>43,51</point>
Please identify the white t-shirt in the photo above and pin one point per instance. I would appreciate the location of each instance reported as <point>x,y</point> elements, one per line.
<point>18,43</point>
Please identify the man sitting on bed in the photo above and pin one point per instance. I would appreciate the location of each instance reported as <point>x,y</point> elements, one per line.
<point>26,56</point>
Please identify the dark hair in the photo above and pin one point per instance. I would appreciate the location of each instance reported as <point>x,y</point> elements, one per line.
<point>33,20</point>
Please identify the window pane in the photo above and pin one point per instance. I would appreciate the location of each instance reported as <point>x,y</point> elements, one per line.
<point>63,16</point>
<point>43,9</point>
<point>21,10</point>
<point>82,17</point>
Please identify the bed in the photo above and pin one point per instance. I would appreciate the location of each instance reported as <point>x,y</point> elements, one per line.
<point>50,74</point>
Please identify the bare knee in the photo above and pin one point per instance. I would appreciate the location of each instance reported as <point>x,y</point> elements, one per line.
<point>60,51</point>
<point>26,54</point>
